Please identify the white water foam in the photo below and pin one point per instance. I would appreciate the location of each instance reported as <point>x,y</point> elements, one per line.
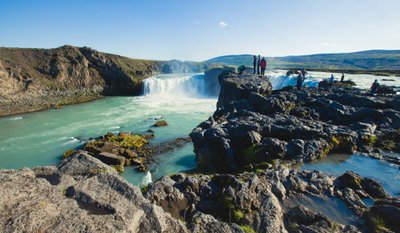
<point>15,118</point>
<point>184,85</point>
<point>147,179</point>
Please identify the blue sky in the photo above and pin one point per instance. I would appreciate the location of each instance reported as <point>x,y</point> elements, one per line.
<point>202,29</point>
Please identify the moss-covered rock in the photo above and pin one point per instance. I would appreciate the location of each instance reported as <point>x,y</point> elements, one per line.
<point>69,153</point>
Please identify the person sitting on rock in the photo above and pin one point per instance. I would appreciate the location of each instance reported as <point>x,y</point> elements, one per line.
<point>374,87</point>
<point>263,65</point>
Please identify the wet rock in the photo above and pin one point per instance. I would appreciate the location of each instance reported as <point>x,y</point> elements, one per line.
<point>367,185</point>
<point>161,123</point>
<point>351,180</point>
<point>373,188</point>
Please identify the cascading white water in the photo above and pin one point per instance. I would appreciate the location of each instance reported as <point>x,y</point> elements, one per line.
<point>187,85</point>
<point>195,86</point>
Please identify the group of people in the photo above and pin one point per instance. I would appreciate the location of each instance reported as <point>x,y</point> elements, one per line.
<point>259,63</point>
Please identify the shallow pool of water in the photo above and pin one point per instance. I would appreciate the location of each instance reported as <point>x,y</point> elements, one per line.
<point>386,173</point>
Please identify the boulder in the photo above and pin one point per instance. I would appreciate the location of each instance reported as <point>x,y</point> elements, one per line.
<point>161,123</point>
<point>111,159</point>
<point>89,196</point>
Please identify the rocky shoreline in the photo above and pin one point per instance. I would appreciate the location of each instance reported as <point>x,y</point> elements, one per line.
<point>245,180</point>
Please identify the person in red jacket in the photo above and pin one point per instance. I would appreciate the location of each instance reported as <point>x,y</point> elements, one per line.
<point>263,65</point>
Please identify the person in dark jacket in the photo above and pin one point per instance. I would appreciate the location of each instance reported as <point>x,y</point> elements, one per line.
<point>254,63</point>
<point>342,79</point>
<point>263,65</point>
<point>374,87</point>
<point>300,80</point>
<point>258,64</point>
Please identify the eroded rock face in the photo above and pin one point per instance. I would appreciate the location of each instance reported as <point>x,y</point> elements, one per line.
<point>37,79</point>
<point>81,194</point>
<point>254,125</point>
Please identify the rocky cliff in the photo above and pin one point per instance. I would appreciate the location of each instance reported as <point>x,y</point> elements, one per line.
<point>37,79</point>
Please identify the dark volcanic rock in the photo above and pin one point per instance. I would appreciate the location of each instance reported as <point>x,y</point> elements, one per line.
<point>211,79</point>
<point>254,125</point>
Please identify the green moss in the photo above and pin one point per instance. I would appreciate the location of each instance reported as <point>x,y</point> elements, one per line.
<point>290,106</point>
<point>237,215</point>
<point>369,139</point>
<point>250,154</point>
<point>247,229</point>
<point>258,171</point>
<point>378,224</point>
<point>228,202</point>
<point>342,144</point>
<point>388,144</point>
<point>95,171</point>
<point>133,142</point>
<point>144,188</point>
<point>68,153</point>
<point>119,168</point>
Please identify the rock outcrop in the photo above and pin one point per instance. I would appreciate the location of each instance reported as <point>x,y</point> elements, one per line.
<point>254,125</point>
<point>211,78</point>
<point>36,79</point>
<point>269,200</point>
<point>81,194</point>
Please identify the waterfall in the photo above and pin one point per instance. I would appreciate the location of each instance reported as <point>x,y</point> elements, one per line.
<point>187,85</point>
<point>195,86</point>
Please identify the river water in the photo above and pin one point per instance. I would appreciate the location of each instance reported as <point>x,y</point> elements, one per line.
<point>40,138</point>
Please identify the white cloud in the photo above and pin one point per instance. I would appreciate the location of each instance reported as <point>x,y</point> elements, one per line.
<point>328,44</point>
<point>222,24</point>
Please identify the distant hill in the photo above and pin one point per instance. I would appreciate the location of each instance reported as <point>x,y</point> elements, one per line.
<point>372,60</point>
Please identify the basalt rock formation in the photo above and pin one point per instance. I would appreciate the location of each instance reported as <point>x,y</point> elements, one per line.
<point>254,125</point>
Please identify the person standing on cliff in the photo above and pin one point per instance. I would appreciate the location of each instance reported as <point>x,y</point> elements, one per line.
<point>263,65</point>
<point>258,64</point>
<point>300,80</point>
<point>254,63</point>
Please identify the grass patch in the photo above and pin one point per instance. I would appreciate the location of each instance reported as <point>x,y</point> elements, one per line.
<point>247,229</point>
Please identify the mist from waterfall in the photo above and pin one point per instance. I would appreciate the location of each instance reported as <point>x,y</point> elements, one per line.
<point>173,85</point>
